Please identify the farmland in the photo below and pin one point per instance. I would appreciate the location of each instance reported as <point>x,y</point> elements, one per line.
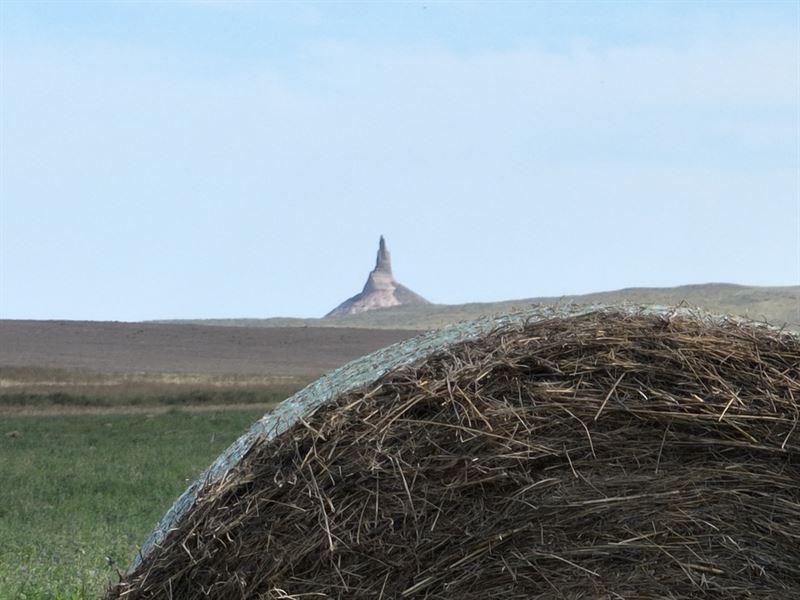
<point>79,493</point>
<point>102,425</point>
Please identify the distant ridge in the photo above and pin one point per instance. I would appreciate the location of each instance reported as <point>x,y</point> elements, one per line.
<point>380,291</point>
<point>777,305</point>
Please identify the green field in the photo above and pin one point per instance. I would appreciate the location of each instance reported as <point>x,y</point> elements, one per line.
<point>79,494</point>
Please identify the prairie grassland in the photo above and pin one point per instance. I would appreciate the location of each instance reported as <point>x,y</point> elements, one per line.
<point>79,494</point>
<point>45,387</point>
<point>778,305</point>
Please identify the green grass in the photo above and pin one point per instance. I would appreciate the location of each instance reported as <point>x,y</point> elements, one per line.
<point>79,494</point>
<point>191,397</point>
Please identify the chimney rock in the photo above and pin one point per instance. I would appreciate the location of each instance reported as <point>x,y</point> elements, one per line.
<point>380,291</point>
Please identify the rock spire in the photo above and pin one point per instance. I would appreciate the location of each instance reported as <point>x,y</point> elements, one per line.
<point>384,260</point>
<point>380,291</point>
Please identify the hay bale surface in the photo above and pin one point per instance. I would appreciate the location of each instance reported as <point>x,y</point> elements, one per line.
<point>607,455</point>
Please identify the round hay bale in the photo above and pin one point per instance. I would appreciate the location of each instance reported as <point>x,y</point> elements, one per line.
<point>605,454</point>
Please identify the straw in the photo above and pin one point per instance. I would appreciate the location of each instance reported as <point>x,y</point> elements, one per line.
<point>604,455</point>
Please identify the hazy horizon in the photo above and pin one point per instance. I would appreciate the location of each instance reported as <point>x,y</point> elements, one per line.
<point>208,159</point>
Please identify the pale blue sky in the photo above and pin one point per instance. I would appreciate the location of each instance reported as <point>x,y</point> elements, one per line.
<point>222,159</point>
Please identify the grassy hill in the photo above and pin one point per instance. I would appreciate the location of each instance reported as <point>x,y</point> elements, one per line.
<point>779,306</point>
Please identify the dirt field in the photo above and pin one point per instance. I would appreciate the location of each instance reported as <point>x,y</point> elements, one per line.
<point>103,347</point>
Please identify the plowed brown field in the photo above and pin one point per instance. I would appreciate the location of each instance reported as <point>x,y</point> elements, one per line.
<point>104,347</point>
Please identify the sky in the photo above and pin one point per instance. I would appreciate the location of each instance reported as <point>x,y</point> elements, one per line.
<point>213,159</point>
